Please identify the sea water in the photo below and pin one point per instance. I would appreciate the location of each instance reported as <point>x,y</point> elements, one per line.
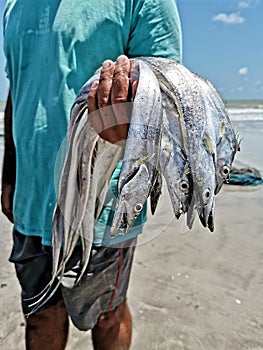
<point>247,117</point>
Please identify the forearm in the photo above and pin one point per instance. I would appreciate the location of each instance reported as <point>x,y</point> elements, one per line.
<point>9,162</point>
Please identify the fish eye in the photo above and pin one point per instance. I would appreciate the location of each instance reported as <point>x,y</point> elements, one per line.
<point>138,207</point>
<point>206,195</point>
<point>225,170</point>
<point>184,186</point>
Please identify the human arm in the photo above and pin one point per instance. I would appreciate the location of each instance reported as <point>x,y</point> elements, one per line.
<point>9,164</point>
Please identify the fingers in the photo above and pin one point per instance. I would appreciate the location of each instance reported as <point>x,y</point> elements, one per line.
<point>134,88</point>
<point>134,78</point>
<point>104,93</point>
<point>93,108</point>
<point>120,95</point>
<point>92,97</point>
<point>120,83</point>
<point>107,100</point>
<point>105,84</point>
<point>99,102</point>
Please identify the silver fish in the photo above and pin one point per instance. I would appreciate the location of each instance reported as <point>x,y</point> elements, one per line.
<point>104,162</point>
<point>131,201</point>
<point>142,148</point>
<point>65,226</point>
<point>173,162</point>
<point>179,128</point>
<point>189,103</point>
<point>73,194</point>
<point>83,177</point>
<point>225,138</point>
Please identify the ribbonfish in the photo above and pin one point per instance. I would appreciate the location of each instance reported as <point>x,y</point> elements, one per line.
<point>175,168</point>
<point>179,130</point>
<point>181,83</point>
<point>85,174</point>
<point>142,148</point>
<point>226,142</point>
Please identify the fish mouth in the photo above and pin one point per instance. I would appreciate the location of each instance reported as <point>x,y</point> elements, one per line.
<point>218,188</point>
<point>190,218</point>
<point>210,222</point>
<point>219,184</point>
<point>207,219</point>
<point>120,222</point>
<point>123,222</point>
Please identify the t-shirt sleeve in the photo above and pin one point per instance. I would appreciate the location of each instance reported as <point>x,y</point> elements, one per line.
<point>155,30</point>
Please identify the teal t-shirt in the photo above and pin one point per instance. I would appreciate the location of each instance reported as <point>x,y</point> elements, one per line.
<point>52,47</point>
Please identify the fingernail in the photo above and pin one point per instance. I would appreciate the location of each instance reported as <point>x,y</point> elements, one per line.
<point>121,59</point>
<point>94,85</point>
<point>106,65</point>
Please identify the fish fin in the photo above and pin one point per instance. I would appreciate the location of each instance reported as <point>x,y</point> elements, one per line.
<point>209,143</point>
<point>202,220</point>
<point>145,160</point>
<point>239,140</point>
<point>222,129</point>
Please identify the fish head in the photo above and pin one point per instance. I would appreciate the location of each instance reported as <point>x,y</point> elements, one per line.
<point>223,168</point>
<point>179,191</point>
<point>203,190</point>
<point>207,216</point>
<point>226,149</point>
<point>131,200</point>
<point>177,174</point>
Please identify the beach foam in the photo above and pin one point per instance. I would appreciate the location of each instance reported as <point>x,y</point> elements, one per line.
<point>246,114</point>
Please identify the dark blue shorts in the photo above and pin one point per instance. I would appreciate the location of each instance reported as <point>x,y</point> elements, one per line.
<point>103,286</point>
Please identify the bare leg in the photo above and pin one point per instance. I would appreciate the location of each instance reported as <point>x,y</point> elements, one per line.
<point>48,329</point>
<point>114,329</point>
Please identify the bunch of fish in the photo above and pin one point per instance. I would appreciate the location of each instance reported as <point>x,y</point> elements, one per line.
<point>179,131</point>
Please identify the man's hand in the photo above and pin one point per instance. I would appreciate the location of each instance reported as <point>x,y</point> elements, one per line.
<point>7,201</point>
<point>107,101</point>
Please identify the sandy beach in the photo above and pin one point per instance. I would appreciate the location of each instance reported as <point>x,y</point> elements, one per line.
<point>191,291</point>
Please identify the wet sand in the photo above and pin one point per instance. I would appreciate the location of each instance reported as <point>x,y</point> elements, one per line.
<point>191,291</point>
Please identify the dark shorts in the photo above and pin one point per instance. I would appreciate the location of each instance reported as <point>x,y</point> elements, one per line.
<point>103,286</point>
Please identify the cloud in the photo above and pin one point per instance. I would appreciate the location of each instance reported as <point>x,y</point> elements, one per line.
<point>243,71</point>
<point>232,18</point>
<point>243,4</point>
<point>240,88</point>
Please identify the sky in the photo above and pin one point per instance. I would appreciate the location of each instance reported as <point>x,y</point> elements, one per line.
<point>222,42</point>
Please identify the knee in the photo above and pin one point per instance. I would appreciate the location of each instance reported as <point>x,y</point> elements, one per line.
<point>111,318</point>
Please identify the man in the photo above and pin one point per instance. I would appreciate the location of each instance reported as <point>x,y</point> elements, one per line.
<point>52,48</point>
